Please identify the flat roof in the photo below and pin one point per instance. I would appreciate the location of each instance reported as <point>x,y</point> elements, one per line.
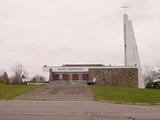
<point>81,68</point>
<point>83,65</point>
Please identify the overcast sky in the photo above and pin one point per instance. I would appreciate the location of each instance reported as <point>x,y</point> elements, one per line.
<point>54,32</point>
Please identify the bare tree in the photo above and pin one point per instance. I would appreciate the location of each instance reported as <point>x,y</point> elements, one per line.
<point>158,68</point>
<point>150,74</point>
<point>18,70</point>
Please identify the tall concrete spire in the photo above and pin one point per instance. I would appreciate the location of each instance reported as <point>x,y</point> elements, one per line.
<point>131,51</point>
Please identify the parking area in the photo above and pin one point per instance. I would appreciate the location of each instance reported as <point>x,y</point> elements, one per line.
<point>74,110</point>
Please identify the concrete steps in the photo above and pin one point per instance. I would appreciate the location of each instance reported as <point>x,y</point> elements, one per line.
<point>70,82</point>
<point>59,92</point>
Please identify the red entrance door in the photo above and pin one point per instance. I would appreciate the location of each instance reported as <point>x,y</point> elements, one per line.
<point>85,76</point>
<point>65,76</point>
<point>55,76</point>
<point>75,77</point>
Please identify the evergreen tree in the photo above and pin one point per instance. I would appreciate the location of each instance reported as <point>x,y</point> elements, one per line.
<point>5,78</point>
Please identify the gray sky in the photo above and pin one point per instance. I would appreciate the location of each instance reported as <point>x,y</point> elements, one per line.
<point>55,32</point>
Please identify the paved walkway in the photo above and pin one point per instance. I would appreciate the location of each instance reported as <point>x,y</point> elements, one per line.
<point>74,110</point>
<point>59,93</point>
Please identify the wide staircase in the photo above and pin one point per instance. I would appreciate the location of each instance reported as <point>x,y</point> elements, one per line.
<point>61,91</point>
<point>68,82</point>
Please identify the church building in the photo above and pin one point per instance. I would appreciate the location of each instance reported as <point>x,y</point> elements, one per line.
<point>129,75</point>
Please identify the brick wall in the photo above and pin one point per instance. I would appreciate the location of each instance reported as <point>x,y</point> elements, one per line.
<point>118,77</point>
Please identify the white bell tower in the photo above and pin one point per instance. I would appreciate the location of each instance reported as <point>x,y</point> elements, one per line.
<point>130,47</point>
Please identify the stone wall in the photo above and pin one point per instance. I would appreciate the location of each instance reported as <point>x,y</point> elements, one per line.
<point>118,77</point>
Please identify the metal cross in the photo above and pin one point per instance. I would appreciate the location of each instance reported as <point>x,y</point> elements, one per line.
<point>125,7</point>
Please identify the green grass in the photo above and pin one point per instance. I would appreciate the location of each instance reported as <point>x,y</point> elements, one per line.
<point>126,95</point>
<point>11,91</point>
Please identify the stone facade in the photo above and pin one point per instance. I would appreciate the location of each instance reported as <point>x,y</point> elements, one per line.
<point>118,77</point>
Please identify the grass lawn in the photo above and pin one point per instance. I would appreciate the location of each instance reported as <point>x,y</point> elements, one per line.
<point>126,95</point>
<point>11,91</point>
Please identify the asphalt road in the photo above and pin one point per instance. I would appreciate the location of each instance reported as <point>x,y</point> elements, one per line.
<point>75,110</point>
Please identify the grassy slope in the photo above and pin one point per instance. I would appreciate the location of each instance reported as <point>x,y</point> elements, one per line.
<point>11,91</point>
<point>126,95</point>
